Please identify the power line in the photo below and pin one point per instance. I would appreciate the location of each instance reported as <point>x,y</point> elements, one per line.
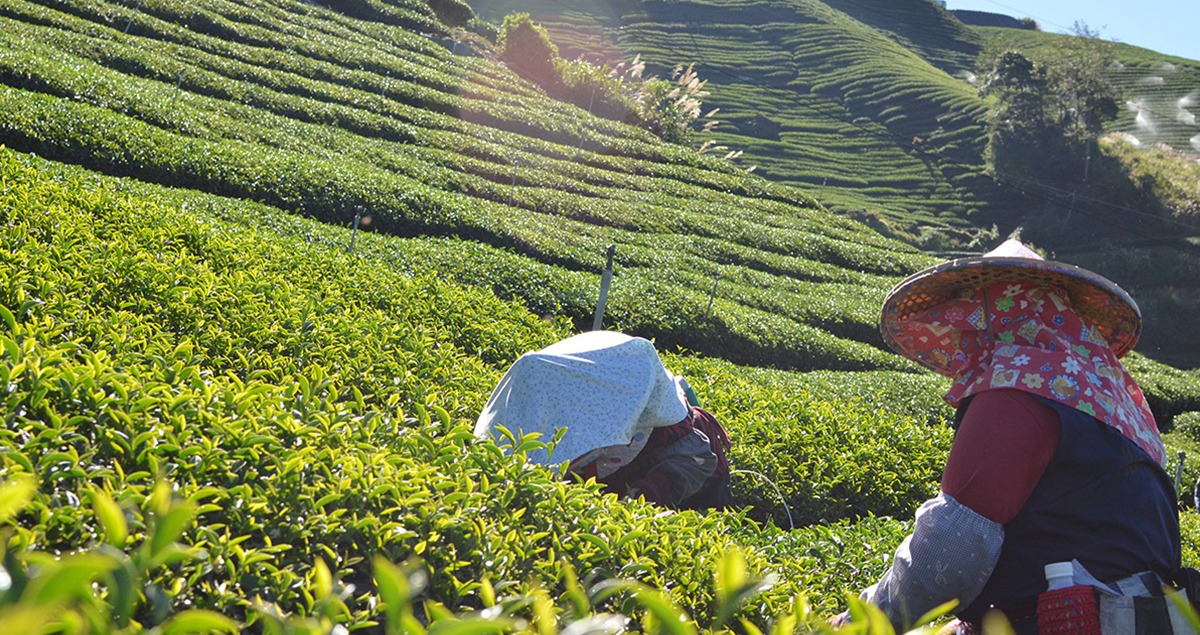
<point>1028,15</point>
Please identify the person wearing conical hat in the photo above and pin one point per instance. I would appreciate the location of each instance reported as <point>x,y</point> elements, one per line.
<point>1056,456</point>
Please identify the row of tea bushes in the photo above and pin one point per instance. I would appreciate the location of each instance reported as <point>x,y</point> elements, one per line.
<point>626,205</point>
<point>313,413</point>
<point>216,75</point>
<point>306,410</point>
<point>145,530</point>
<point>331,190</point>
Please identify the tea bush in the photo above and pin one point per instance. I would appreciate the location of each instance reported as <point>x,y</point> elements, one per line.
<point>310,413</point>
<point>832,455</point>
<point>47,594</point>
<point>226,410</point>
<point>1169,391</point>
<point>332,189</point>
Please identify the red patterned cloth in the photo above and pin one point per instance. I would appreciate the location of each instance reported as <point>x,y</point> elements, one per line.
<point>1025,337</point>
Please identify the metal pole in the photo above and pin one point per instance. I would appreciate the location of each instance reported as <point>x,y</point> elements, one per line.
<point>1179,472</point>
<point>354,232</point>
<point>605,281</point>
<point>178,87</point>
<point>512,189</point>
<point>132,16</point>
<point>716,281</point>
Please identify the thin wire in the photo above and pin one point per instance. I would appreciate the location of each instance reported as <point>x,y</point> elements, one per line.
<point>778,492</point>
<point>1022,12</point>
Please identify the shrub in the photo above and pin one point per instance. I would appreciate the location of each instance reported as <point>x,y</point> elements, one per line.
<point>526,48</point>
<point>1187,424</point>
<point>412,14</point>
<point>312,409</point>
<point>454,13</point>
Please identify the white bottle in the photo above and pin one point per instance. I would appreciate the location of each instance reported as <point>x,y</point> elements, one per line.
<point>1059,575</point>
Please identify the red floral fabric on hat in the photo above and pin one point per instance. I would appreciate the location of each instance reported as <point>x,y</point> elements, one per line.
<point>1026,337</point>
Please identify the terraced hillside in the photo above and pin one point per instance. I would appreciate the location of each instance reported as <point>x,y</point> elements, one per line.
<point>330,118</point>
<point>261,264</point>
<point>814,96</point>
<point>873,107</point>
<point>814,92</point>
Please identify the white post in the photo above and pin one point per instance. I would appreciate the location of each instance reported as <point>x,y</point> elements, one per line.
<point>605,282</point>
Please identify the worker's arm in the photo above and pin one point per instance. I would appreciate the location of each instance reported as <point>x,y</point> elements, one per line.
<point>950,555</point>
<point>681,471</point>
<point>1002,448</point>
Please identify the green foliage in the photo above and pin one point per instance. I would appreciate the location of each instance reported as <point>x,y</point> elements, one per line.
<point>310,411</point>
<point>93,590</point>
<point>45,593</point>
<point>1024,139</point>
<point>1085,96</point>
<point>412,14</point>
<point>836,445</point>
<point>1163,177</point>
<point>271,158</point>
<point>308,408</point>
<point>1169,391</point>
<point>1189,523</point>
<point>1188,425</point>
<point>675,104</point>
<point>223,410</point>
<point>844,96</point>
<point>526,47</point>
<point>453,13</point>
<point>667,108</point>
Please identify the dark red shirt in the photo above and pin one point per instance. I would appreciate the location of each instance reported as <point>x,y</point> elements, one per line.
<point>1003,445</point>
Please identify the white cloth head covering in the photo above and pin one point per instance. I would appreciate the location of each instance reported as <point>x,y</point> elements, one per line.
<point>603,386</point>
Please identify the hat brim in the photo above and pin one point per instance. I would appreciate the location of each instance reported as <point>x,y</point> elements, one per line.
<point>1093,297</point>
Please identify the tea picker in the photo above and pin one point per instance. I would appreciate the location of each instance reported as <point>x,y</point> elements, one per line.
<point>629,423</point>
<point>1056,457</point>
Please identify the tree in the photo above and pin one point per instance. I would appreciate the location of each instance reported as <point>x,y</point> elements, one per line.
<point>1020,88</point>
<point>1019,126</point>
<point>1085,98</point>
<point>1048,115</point>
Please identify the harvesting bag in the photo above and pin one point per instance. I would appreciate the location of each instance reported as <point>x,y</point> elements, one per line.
<point>1134,604</point>
<point>606,388</point>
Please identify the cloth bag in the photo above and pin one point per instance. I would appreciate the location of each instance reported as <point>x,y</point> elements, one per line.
<point>1136,604</point>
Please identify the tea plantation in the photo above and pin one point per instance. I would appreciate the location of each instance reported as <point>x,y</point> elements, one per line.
<point>873,106</point>
<point>261,265</point>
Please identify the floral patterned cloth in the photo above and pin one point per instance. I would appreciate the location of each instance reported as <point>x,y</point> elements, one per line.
<point>1026,337</point>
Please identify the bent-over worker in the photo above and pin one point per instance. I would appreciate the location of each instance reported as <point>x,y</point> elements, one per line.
<point>630,423</point>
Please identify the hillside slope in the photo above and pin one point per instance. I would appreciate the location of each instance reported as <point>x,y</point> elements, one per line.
<point>359,118</point>
<point>262,264</point>
<point>873,107</point>
<point>813,96</point>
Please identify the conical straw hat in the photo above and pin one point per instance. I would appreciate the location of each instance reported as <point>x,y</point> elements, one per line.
<point>1093,297</point>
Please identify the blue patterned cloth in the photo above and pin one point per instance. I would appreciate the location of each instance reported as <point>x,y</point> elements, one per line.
<point>609,390</point>
<point>950,555</point>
